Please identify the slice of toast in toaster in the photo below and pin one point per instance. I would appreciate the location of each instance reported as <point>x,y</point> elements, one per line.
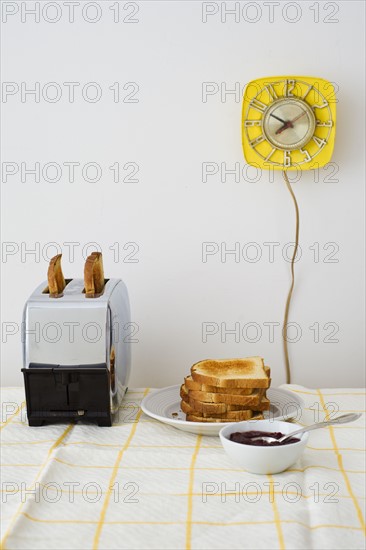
<point>56,280</point>
<point>98,272</point>
<point>94,274</point>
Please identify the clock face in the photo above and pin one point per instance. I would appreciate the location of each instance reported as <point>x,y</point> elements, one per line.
<point>288,122</point>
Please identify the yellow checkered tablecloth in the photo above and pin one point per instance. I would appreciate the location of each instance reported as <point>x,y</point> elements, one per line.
<point>142,484</point>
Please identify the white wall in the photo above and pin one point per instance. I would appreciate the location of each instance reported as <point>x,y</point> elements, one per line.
<point>170,212</point>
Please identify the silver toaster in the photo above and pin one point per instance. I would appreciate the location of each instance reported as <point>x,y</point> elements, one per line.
<point>76,360</point>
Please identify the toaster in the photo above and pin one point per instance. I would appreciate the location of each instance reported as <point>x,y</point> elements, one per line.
<point>76,361</point>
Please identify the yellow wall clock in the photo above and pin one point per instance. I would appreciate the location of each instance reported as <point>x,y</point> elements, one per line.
<point>288,122</point>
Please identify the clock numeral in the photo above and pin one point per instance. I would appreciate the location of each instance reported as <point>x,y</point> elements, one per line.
<point>271,92</point>
<point>249,123</point>
<point>308,157</point>
<point>289,88</point>
<point>321,105</point>
<point>256,141</point>
<point>270,153</point>
<point>286,159</point>
<point>306,92</point>
<point>258,105</point>
<point>327,123</point>
<point>320,142</point>
<point>334,89</point>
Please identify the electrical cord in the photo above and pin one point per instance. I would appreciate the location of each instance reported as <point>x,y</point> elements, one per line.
<point>288,301</point>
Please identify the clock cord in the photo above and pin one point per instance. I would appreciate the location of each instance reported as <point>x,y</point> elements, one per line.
<point>288,301</point>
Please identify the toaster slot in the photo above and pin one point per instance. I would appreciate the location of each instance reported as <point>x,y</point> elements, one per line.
<point>96,295</point>
<point>61,392</point>
<point>47,290</point>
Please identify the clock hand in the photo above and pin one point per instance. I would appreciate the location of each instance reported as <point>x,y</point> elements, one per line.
<point>298,116</point>
<point>289,123</point>
<point>278,118</point>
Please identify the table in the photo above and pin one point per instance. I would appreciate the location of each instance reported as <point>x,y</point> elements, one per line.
<point>142,484</point>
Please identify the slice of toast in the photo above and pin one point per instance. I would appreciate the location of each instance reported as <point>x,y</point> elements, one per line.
<point>210,409</point>
<point>98,273</point>
<point>234,415</point>
<point>224,409</point>
<point>196,386</point>
<point>56,280</point>
<point>248,372</point>
<point>190,384</point>
<point>94,274</point>
<point>249,401</point>
<point>195,418</point>
<point>89,275</point>
<point>220,403</point>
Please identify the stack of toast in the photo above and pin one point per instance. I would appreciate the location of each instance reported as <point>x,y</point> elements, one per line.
<point>226,390</point>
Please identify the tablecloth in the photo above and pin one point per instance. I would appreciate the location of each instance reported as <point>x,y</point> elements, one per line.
<point>142,484</point>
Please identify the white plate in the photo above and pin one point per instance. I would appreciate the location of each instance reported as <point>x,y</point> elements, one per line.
<point>164,405</point>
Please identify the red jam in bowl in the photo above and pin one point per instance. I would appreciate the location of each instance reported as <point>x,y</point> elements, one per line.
<point>246,438</point>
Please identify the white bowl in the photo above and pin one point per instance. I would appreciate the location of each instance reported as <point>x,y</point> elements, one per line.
<point>263,460</point>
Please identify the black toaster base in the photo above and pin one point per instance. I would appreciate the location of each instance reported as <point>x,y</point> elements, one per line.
<point>36,421</point>
<point>64,393</point>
